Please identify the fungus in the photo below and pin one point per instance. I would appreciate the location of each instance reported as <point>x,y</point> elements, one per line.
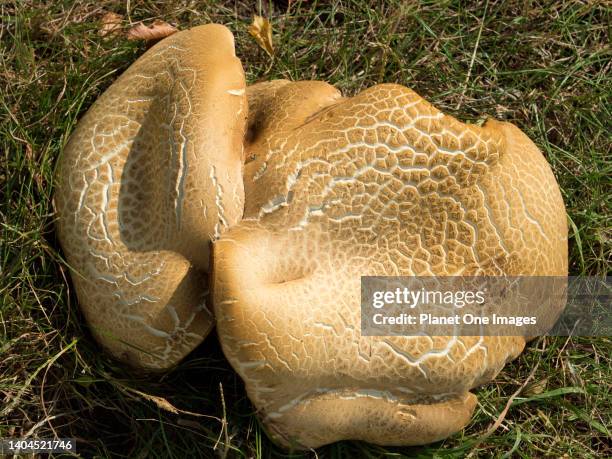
<point>380,184</point>
<point>300,200</point>
<point>152,174</point>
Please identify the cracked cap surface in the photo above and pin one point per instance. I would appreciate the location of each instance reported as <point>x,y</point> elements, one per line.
<point>378,184</point>
<point>151,174</point>
<point>334,188</point>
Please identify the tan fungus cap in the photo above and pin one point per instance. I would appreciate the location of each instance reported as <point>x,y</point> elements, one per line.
<point>378,184</point>
<point>152,174</point>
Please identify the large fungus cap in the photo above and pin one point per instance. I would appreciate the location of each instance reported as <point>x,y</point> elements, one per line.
<point>152,174</point>
<point>378,184</point>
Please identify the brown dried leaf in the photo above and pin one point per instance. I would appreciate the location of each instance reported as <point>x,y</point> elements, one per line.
<point>261,30</point>
<point>155,32</point>
<point>163,404</point>
<point>111,24</point>
<point>536,387</point>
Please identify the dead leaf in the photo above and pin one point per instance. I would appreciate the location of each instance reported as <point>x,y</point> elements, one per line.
<point>536,387</point>
<point>111,24</point>
<point>162,403</point>
<point>261,30</point>
<point>155,32</point>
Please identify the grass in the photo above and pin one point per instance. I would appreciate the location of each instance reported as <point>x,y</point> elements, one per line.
<point>545,66</point>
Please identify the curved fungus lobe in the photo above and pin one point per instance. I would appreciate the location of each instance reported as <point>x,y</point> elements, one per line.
<point>152,174</point>
<point>378,184</point>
